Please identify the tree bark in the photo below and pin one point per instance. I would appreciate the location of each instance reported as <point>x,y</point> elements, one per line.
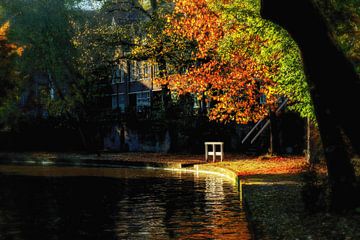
<point>165,92</point>
<point>308,154</point>
<point>274,148</point>
<point>333,87</point>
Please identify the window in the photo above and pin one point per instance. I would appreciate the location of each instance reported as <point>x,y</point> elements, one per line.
<point>118,75</point>
<point>117,72</point>
<point>134,72</point>
<point>143,99</point>
<point>197,103</point>
<point>156,70</point>
<point>208,102</point>
<point>263,99</point>
<point>140,71</point>
<point>146,70</point>
<point>122,73</point>
<point>201,103</point>
<point>121,104</point>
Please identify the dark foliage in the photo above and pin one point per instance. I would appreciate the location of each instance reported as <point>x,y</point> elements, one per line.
<point>313,192</point>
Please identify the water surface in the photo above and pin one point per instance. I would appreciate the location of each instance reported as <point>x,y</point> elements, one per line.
<point>72,203</point>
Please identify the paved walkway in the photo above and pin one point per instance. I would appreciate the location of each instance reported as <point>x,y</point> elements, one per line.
<point>133,159</point>
<point>235,164</point>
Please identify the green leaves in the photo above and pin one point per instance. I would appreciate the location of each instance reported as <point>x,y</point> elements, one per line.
<point>269,45</point>
<point>343,18</point>
<point>232,34</point>
<point>44,27</point>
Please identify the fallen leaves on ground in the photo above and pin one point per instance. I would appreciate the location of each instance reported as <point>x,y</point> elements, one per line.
<point>277,212</point>
<point>264,165</point>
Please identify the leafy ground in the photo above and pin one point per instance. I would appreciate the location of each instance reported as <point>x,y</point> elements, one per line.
<point>273,197</point>
<point>277,212</point>
<point>249,167</point>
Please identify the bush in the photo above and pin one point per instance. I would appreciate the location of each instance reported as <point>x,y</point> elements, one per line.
<point>314,191</point>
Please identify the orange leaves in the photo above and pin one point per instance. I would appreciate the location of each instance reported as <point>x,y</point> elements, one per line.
<point>195,21</point>
<point>20,51</point>
<point>273,166</point>
<point>8,48</point>
<point>232,85</point>
<point>4,29</point>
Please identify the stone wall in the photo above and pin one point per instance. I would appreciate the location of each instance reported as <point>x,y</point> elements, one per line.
<point>124,138</point>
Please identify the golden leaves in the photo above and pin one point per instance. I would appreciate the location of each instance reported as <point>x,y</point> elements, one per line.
<point>194,20</point>
<point>20,51</point>
<point>273,165</point>
<point>232,85</point>
<point>4,28</point>
<point>9,48</point>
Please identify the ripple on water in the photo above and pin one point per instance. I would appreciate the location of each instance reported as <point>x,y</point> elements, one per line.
<point>89,203</point>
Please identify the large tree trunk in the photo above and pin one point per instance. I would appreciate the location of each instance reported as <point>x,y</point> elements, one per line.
<point>308,154</point>
<point>334,86</point>
<point>315,150</point>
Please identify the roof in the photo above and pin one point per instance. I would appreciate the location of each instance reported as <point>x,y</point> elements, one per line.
<point>126,12</point>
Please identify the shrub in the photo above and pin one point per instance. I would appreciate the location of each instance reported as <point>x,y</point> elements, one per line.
<point>314,191</point>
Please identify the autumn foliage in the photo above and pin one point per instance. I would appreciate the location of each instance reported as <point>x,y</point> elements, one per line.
<point>8,81</point>
<point>231,84</point>
<point>194,20</point>
<point>247,167</point>
<point>6,48</point>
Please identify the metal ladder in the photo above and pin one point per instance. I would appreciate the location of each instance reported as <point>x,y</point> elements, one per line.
<point>267,123</point>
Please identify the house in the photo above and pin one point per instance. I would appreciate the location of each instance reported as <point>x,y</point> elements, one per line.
<point>33,97</point>
<point>133,96</point>
<point>133,91</point>
<point>133,86</point>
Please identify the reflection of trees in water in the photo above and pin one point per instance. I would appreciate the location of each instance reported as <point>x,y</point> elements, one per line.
<point>141,216</point>
<point>140,205</point>
<point>214,191</point>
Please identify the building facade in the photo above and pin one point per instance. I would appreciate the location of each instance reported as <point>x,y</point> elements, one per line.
<point>132,86</point>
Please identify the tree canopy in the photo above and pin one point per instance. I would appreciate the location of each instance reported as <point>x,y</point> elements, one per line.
<point>9,81</point>
<point>343,19</point>
<point>238,59</point>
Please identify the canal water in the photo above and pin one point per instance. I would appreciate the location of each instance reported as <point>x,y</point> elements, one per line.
<point>71,203</point>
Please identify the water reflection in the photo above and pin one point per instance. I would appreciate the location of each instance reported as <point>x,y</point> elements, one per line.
<point>89,203</point>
